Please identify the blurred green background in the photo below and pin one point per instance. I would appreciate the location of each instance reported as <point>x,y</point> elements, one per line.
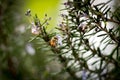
<point>20,59</point>
<point>42,7</point>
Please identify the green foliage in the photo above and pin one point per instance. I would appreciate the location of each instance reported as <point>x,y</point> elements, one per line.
<point>86,35</point>
<point>16,61</point>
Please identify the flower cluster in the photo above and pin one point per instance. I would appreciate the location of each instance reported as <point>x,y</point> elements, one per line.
<point>39,28</point>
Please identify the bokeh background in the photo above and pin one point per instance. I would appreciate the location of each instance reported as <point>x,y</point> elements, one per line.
<point>42,7</point>
<point>19,58</point>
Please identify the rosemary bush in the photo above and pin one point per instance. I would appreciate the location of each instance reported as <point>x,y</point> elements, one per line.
<point>88,41</point>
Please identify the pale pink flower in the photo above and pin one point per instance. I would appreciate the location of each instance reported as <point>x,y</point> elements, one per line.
<point>35,30</point>
<point>59,40</point>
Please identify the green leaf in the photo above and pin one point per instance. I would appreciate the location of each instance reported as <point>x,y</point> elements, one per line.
<point>33,38</point>
<point>102,35</point>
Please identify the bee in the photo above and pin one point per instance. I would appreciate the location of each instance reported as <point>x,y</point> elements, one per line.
<point>53,41</point>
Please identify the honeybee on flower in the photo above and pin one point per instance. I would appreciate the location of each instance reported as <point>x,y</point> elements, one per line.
<point>53,41</point>
<point>56,40</point>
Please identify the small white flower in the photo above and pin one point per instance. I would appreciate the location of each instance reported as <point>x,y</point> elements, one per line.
<point>28,12</point>
<point>59,40</point>
<point>35,30</point>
